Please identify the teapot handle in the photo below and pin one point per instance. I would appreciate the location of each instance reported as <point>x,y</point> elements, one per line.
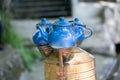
<point>90,32</point>
<point>44,35</point>
<point>87,28</point>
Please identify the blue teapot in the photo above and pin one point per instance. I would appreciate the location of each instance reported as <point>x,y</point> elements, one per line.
<point>40,37</point>
<point>62,35</point>
<point>66,34</point>
<point>80,29</point>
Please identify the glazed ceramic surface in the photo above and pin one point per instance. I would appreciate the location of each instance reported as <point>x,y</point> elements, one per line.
<point>61,34</point>
<point>80,29</point>
<point>40,37</point>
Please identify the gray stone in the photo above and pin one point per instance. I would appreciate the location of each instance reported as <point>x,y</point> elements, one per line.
<point>8,62</point>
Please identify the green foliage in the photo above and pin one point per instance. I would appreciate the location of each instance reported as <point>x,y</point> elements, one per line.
<point>11,37</point>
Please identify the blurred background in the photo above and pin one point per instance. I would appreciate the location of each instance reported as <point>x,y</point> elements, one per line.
<point>20,58</point>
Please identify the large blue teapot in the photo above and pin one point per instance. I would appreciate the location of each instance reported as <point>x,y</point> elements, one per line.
<point>62,35</point>
<point>40,37</point>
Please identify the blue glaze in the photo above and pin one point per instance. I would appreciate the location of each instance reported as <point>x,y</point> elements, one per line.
<point>62,35</point>
<point>80,29</point>
<point>40,37</point>
<point>46,25</point>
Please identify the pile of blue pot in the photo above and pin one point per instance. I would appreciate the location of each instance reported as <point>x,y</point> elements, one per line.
<point>61,33</point>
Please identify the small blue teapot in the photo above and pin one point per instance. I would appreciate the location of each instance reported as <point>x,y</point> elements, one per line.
<point>40,37</point>
<point>80,29</point>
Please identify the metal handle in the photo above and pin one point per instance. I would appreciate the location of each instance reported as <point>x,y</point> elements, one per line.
<point>90,32</point>
<point>87,28</point>
<point>43,34</point>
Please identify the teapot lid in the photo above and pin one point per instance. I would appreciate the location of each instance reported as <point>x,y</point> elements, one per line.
<point>44,21</point>
<point>76,21</point>
<point>61,23</point>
